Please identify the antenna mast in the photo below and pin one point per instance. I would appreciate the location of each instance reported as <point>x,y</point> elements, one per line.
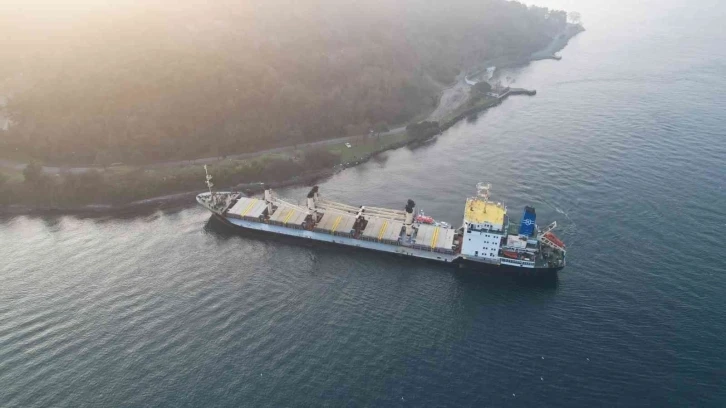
<point>209,183</point>
<point>482,192</point>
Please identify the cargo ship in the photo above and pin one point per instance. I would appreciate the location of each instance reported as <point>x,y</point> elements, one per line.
<point>487,239</point>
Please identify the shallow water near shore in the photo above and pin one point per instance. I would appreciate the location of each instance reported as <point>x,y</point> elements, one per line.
<point>623,146</point>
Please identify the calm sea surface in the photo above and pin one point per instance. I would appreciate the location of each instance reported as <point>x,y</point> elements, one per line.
<point>624,146</point>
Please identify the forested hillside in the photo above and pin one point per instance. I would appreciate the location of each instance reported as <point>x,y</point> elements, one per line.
<point>164,81</point>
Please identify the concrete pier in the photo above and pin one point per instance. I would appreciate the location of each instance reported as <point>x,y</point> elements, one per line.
<point>518,91</point>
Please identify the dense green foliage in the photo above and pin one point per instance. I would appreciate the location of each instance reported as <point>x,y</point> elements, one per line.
<point>166,81</point>
<point>481,88</point>
<point>423,130</point>
<point>479,95</point>
<point>114,186</point>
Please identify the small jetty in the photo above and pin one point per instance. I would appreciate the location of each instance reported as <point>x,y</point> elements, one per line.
<point>496,97</point>
<point>518,91</point>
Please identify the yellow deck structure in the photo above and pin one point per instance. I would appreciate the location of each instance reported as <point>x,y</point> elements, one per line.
<point>477,212</point>
<point>434,238</point>
<point>288,216</point>
<point>382,229</point>
<point>336,223</point>
<point>247,208</point>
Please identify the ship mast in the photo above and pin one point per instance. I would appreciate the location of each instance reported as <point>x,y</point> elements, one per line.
<point>482,191</point>
<point>209,183</point>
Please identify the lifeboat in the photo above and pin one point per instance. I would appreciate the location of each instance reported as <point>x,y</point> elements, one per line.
<point>510,254</point>
<point>552,237</point>
<point>424,219</point>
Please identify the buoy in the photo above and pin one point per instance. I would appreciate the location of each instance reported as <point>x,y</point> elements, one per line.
<point>541,378</point>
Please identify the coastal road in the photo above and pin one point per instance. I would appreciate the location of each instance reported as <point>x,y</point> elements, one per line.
<point>19,166</point>
<point>243,156</point>
<point>451,98</point>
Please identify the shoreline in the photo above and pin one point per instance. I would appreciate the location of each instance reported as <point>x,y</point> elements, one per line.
<point>547,53</point>
<point>153,203</point>
<point>174,200</point>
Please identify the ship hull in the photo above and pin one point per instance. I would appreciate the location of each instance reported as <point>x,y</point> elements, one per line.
<point>507,269</point>
<point>452,260</point>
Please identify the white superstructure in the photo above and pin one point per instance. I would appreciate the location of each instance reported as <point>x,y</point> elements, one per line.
<point>484,226</point>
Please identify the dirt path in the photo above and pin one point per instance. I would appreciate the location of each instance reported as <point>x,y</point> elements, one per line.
<point>451,98</point>
<point>19,166</point>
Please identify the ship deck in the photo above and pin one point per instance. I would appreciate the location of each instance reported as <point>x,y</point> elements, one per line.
<point>370,224</point>
<point>405,248</point>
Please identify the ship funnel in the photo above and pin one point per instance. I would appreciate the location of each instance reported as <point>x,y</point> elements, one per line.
<point>526,227</point>
<point>408,223</point>
<point>409,206</point>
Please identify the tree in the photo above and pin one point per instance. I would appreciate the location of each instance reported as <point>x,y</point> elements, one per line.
<point>85,185</point>
<point>381,127</point>
<point>33,173</point>
<point>103,158</point>
<point>293,77</point>
<point>574,17</point>
<point>482,87</point>
<point>321,158</point>
<point>423,130</point>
